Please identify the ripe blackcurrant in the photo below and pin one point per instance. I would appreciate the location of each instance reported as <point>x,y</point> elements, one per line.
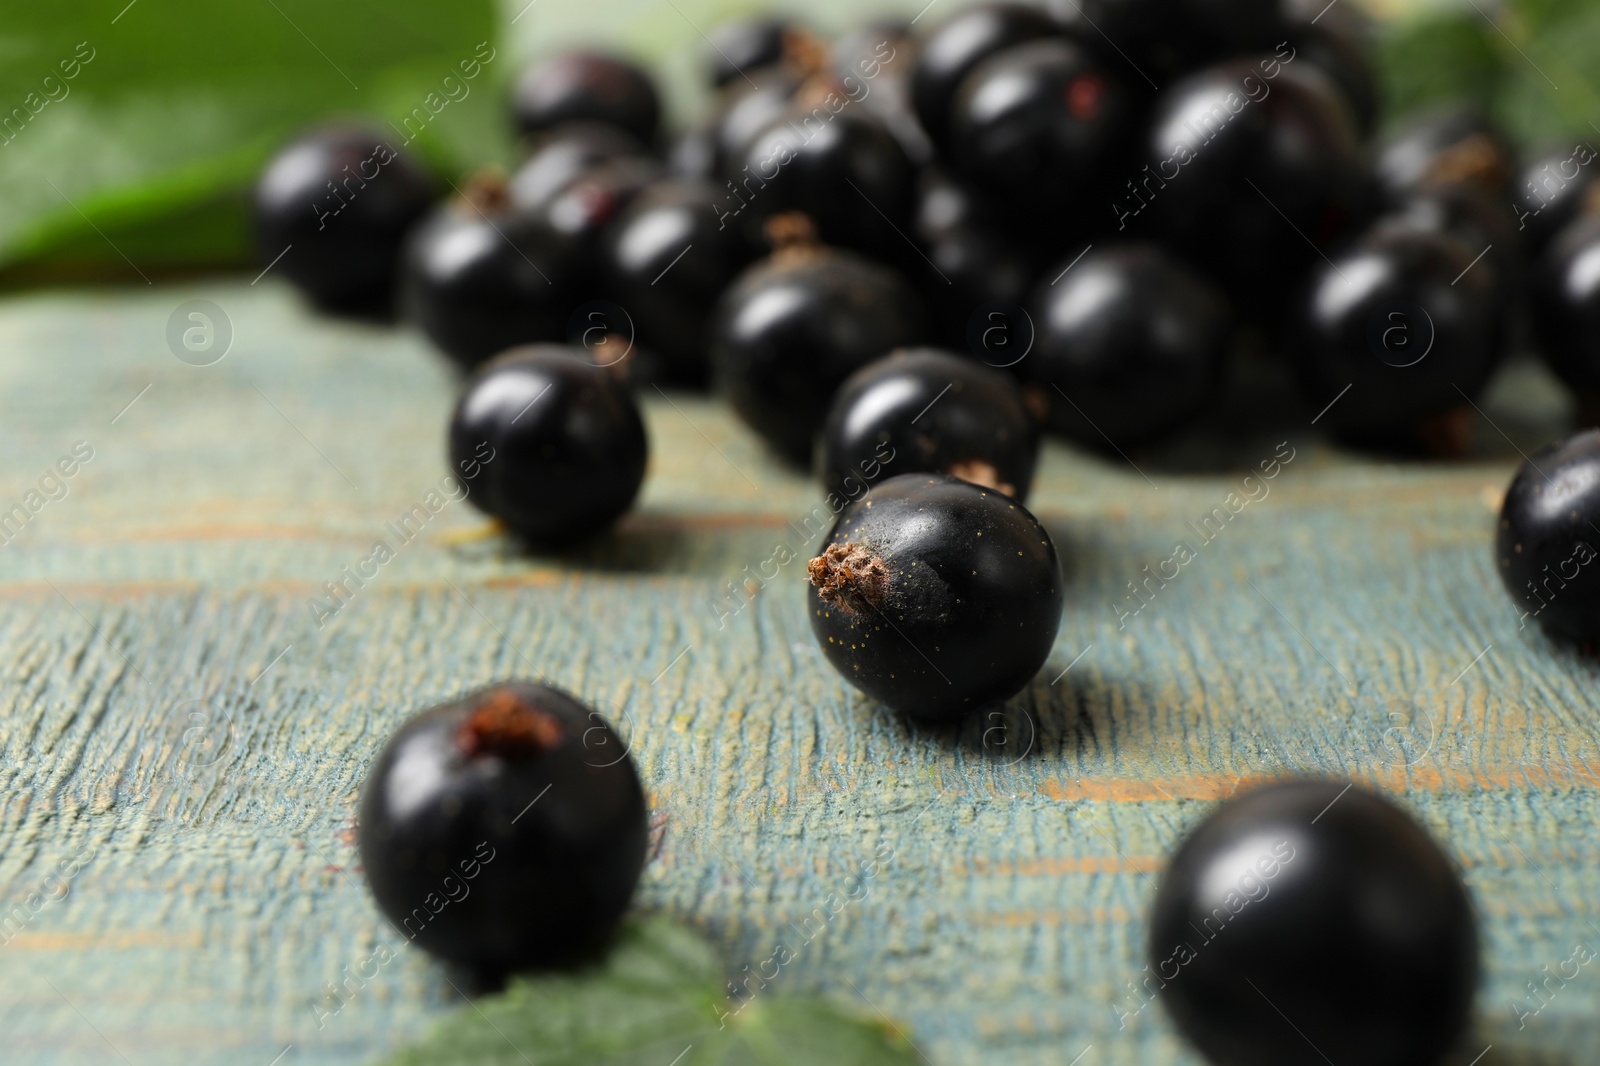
<point>502,831</point>
<point>1565,304</point>
<point>666,260</point>
<point>966,39</point>
<point>1444,145</point>
<point>1337,41</point>
<point>842,168</point>
<point>561,156</point>
<point>936,596</point>
<point>1312,920</point>
<point>1038,128</point>
<point>791,328</point>
<point>585,209</point>
<point>1130,344</point>
<point>1252,167</point>
<point>1150,42</point>
<point>1406,327</point>
<point>586,87</point>
<point>335,205</point>
<point>881,56</point>
<point>1557,186</point>
<point>927,411</point>
<point>567,448</point>
<point>479,277</point>
<point>1549,532</point>
<point>738,48</point>
<point>1467,212</point>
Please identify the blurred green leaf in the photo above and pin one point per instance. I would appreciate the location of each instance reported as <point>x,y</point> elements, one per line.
<point>1438,57</point>
<point>144,152</point>
<point>657,999</point>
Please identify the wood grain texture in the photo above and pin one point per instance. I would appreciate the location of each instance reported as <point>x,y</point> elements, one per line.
<point>172,715</point>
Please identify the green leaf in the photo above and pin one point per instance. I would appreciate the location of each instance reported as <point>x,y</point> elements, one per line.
<point>657,998</point>
<point>1435,58</point>
<point>145,152</point>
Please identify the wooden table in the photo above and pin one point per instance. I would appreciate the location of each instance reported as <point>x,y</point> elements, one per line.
<point>183,744</point>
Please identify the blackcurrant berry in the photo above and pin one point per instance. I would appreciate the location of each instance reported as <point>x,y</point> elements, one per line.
<point>479,277</point>
<point>1038,127</point>
<point>1129,345</point>
<point>502,831</point>
<point>586,87</point>
<point>1150,42</point>
<point>1467,212</point>
<point>1564,299</point>
<point>746,108</point>
<point>1549,533</point>
<point>1311,920</point>
<point>927,411</point>
<point>1253,166</point>
<point>1338,41</point>
<point>585,209</point>
<point>1444,145</point>
<point>666,260</point>
<point>1406,326</point>
<point>842,168</point>
<point>1557,186</point>
<point>335,205</point>
<point>966,39</point>
<point>561,156</point>
<point>736,49</point>
<point>566,448</point>
<point>875,63</point>
<point>972,271</point>
<point>935,596</point>
<point>791,328</point>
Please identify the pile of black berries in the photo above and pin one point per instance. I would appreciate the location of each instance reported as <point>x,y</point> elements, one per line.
<point>901,256</point>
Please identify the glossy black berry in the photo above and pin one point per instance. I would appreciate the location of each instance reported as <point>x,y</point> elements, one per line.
<point>1408,324</point>
<point>584,211</point>
<point>744,109</point>
<point>1252,166</point>
<point>1311,920</point>
<point>1466,211</point>
<point>561,156</point>
<point>556,441</point>
<point>1337,40</point>
<point>793,327</point>
<point>927,411</point>
<point>1130,344</point>
<point>966,39</point>
<point>1549,535</point>
<point>739,48</point>
<point>586,87</point>
<point>479,277</point>
<point>1150,42</point>
<point>1564,301</point>
<point>505,829</point>
<point>1557,186</point>
<point>843,168</point>
<point>1442,146</point>
<point>1038,128</point>
<point>935,596</point>
<point>881,56</point>
<point>666,260</point>
<point>331,211</point>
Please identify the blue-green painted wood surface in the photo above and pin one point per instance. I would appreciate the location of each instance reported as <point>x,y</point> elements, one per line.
<point>177,730</point>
